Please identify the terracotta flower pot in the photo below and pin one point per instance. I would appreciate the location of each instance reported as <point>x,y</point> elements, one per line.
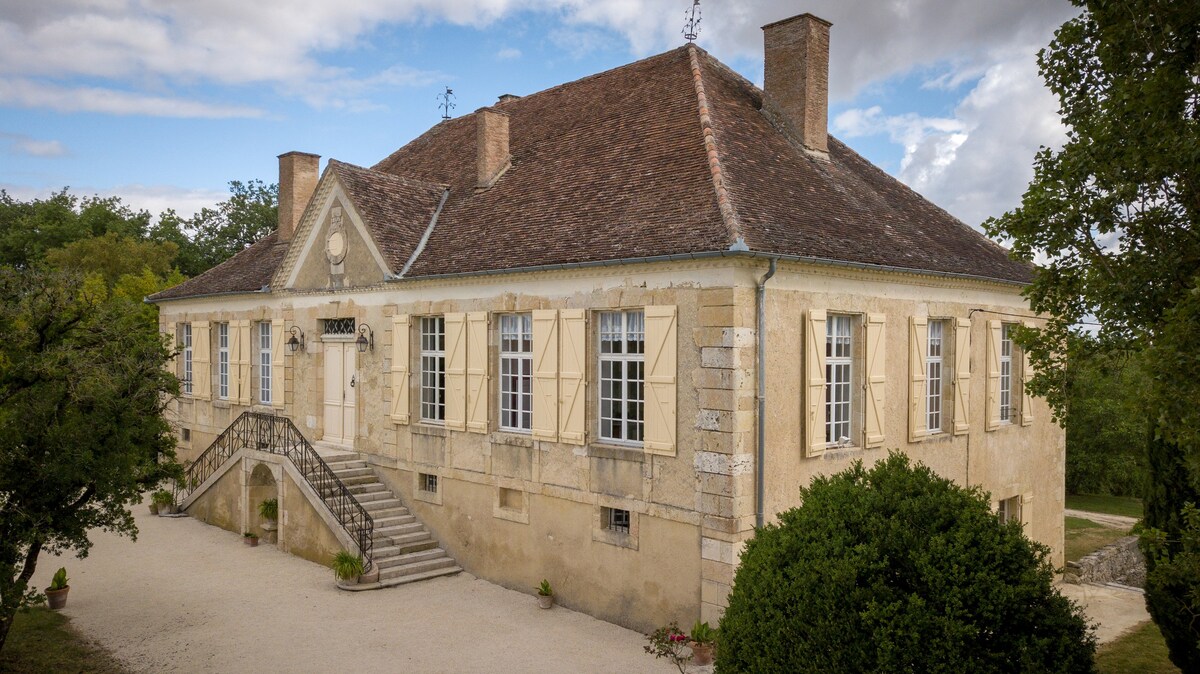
<point>702,654</point>
<point>545,600</point>
<point>252,541</point>
<point>57,598</point>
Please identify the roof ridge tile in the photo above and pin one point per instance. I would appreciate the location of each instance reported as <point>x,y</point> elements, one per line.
<point>724,203</point>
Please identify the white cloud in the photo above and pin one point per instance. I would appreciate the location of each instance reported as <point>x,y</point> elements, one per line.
<point>20,144</point>
<point>26,93</point>
<point>152,198</point>
<point>508,53</point>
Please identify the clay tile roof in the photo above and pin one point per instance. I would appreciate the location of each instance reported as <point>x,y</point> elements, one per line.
<point>669,155</point>
<point>397,210</point>
<point>248,271</point>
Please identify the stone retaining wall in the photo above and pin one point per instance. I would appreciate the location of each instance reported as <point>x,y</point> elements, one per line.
<point>1118,562</point>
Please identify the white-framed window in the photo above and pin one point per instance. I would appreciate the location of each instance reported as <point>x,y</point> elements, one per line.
<point>264,363</point>
<point>433,369</point>
<point>223,361</point>
<point>934,352</point>
<point>622,366</point>
<point>1006,372</point>
<point>187,358</point>
<point>1009,509</point>
<point>839,373</point>
<point>516,372</point>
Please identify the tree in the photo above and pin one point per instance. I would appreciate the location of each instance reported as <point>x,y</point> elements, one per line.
<point>83,387</point>
<point>894,569</point>
<point>112,256</point>
<point>29,229</point>
<point>1113,218</point>
<point>250,213</point>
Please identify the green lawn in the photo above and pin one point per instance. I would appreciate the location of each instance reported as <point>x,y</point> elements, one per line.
<point>1113,505</point>
<point>1084,536</point>
<point>1141,650</point>
<point>43,641</point>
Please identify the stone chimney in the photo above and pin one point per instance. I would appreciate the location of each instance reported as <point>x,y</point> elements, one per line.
<point>796,78</point>
<point>298,176</point>
<point>491,140</point>
<point>504,98</point>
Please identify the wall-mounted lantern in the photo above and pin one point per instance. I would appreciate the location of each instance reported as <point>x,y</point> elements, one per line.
<point>296,342</point>
<point>366,338</point>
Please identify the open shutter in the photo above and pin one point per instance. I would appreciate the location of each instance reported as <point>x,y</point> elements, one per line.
<point>1027,512</point>
<point>175,344</point>
<point>918,344</point>
<point>814,376</point>
<point>278,347</point>
<point>1026,398</point>
<point>962,376</point>
<point>201,360</point>
<point>545,374</point>
<point>661,364</point>
<point>245,344</point>
<point>400,368</point>
<point>993,375</point>
<point>572,359</point>
<point>456,371</point>
<point>876,379</point>
<point>477,372</point>
<point>234,334</point>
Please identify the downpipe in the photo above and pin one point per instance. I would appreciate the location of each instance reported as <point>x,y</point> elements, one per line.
<point>761,346</point>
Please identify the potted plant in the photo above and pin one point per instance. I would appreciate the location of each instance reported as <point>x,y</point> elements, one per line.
<point>153,506</point>
<point>669,642</point>
<point>545,594</point>
<point>56,594</point>
<point>250,538</point>
<point>269,511</point>
<point>347,567</point>
<point>165,501</point>
<point>703,641</point>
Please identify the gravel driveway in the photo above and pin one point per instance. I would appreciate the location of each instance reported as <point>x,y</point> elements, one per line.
<point>188,597</point>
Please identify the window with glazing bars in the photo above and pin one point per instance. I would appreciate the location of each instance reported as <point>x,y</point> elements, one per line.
<point>264,363</point>
<point>839,343</point>
<point>622,355</point>
<point>516,372</point>
<point>187,357</point>
<point>933,376</point>
<point>429,483</point>
<point>433,369</point>
<point>223,361</point>
<point>1006,351</point>
<point>616,519</point>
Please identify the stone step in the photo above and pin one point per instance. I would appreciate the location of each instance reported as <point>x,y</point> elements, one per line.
<point>417,577</point>
<point>366,488</point>
<point>384,513</point>
<point>358,479</point>
<point>415,568</point>
<point>344,473</point>
<point>350,464</point>
<point>367,498</point>
<point>399,530</point>
<point>413,537</point>
<point>411,558</point>
<point>381,552</point>
<point>392,520</point>
<point>381,505</point>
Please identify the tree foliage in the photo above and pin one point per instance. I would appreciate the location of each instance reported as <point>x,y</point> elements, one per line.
<point>216,234</point>
<point>894,569</point>
<point>29,229</point>
<point>83,387</point>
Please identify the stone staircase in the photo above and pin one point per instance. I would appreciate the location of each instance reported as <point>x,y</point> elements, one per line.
<point>404,550</point>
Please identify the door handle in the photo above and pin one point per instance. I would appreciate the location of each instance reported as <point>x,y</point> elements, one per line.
<point>353,380</point>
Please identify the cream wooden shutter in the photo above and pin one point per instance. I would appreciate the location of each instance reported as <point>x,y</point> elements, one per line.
<point>962,376</point>
<point>278,360</point>
<point>174,364</point>
<point>993,375</point>
<point>400,336</point>
<point>456,371</point>
<point>477,372</point>
<point>545,374</point>
<point>660,368</point>
<point>876,379</point>
<point>242,363</point>
<point>814,373</point>
<point>201,359</point>
<point>1026,374</point>
<point>1027,512</point>
<point>918,345</point>
<point>572,364</point>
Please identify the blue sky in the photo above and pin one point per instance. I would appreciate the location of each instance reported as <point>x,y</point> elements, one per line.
<point>163,103</point>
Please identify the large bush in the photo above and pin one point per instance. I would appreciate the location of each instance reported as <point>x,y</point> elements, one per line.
<point>894,569</point>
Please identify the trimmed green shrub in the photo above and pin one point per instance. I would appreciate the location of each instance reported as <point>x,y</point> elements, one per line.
<point>894,569</point>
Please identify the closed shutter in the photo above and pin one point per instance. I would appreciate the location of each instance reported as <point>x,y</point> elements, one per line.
<point>456,371</point>
<point>993,375</point>
<point>572,364</point>
<point>241,362</point>
<point>278,346</point>
<point>814,376</point>
<point>918,345</point>
<point>962,376</point>
<point>545,374</point>
<point>400,338</point>
<point>201,360</point>
<point>1026,374</point>
<point>876,379</point>
<point>477,372</point>
<point>661,364</point>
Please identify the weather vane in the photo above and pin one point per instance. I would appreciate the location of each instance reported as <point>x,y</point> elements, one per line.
<point>446,103</point>
<point>692,27</point>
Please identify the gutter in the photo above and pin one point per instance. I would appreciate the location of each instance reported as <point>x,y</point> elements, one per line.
<point>761,347</point>
<point>263,290</point>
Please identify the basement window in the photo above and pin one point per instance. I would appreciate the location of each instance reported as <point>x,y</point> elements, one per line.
<point>428,483</point>
<point>615,519</point>
<point>185,434</point>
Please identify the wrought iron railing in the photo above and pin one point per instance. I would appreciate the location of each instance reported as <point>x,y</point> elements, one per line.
<point>278,435</point>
